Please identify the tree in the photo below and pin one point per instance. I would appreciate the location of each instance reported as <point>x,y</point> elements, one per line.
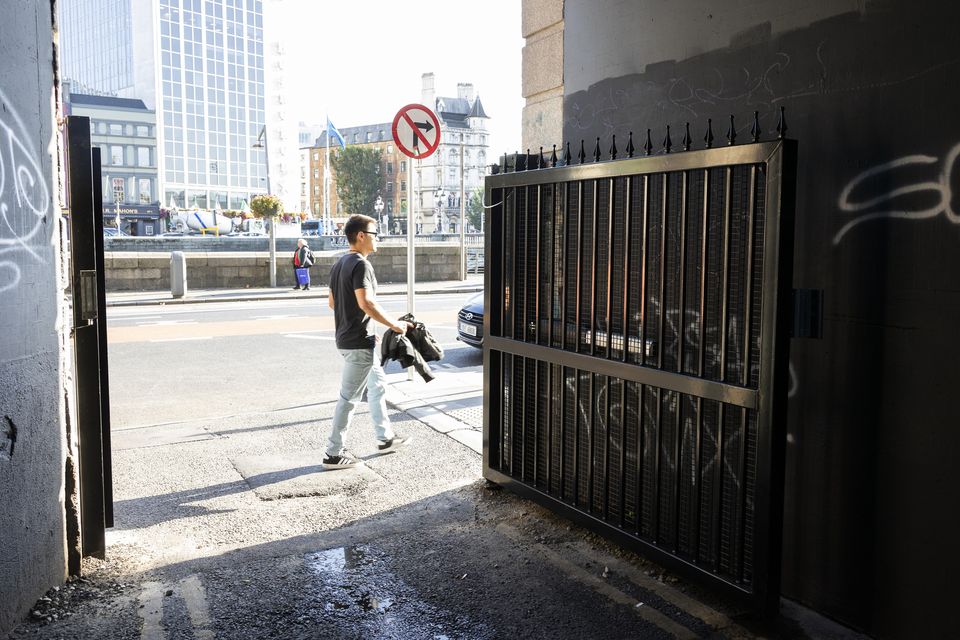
<point>475,208</point>
<point>358,179</point>
<point>265,205</point>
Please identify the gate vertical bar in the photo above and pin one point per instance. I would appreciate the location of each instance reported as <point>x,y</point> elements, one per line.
<point>102,338</point>
<point>83,263</point>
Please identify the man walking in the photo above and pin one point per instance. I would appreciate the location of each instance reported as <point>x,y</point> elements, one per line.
<point>353,289</point>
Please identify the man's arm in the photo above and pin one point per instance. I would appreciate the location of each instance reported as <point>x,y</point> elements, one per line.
<point>373,309</point>
<point>330,299</point>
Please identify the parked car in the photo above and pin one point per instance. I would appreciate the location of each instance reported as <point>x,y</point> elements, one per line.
<point>470,321</point>
<point>112,232</point>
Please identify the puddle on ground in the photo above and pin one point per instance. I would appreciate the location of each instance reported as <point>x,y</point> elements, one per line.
<point>355,587</point>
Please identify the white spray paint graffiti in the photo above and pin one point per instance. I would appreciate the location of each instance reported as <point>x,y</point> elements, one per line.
<point>941,188</point>
<point>24,196</point>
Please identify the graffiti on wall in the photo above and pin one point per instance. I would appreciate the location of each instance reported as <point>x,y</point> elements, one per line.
<point>24,197</point>
<point>858,198</point>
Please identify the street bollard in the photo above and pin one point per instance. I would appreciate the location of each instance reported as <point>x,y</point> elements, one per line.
<point>178,274</point>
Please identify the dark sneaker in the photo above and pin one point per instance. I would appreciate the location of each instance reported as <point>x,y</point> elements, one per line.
<point>393,444</point>
<point>306,288</point>
<point>296,288</point>
<point>343,461</point>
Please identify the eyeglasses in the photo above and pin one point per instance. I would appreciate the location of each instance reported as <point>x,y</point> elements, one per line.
<point>372,233</point>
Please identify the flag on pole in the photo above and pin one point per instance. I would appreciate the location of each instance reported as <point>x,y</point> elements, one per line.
<point>333,134</point>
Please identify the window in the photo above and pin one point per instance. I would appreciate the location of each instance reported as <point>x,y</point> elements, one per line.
<point>316,174</point>
<point>143,156</point>
<point>116,155</point>
<point>389,149</point>
<point>369,136</point>
<point>128,130</point>
<point>143,130</point>
<point>389,168</point>
<point>316,156</point>
<point>316,189</point>
<point>143,188</point>
<point>389,188</point>
<point>116,129</point>
<point>403,165</point>
<point>403,185</point>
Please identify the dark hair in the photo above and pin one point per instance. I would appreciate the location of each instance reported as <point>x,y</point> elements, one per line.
<point>357,222</point>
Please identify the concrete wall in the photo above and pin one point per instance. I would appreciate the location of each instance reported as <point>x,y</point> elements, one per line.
<point>150,271</point>
<point>871,95</point>
<point>32,343</point>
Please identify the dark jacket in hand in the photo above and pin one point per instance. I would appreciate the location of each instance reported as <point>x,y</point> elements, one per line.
<point>422,340</point>
<point>396,346</point>
<point>405,350</point>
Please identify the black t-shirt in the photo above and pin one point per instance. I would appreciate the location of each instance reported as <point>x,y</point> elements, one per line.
<point>351,272</point>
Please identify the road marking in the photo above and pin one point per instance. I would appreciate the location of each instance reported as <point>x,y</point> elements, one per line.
<point>111,318</point>
<point>195,597</point>
<point>302,335</point>
<point>181,339</point>
<point>276,317</point>
<point>151,611</point>
<point>161,323</point>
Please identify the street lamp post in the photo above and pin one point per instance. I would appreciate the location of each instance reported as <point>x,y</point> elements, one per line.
<point>378,207</point>
<point>261,143</point>
<point>439,210</point>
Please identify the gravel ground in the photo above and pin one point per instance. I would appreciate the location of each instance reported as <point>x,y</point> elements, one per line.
<point>426,550</point>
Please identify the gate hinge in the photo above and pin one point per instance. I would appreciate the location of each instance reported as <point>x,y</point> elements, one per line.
<point>807,321</point>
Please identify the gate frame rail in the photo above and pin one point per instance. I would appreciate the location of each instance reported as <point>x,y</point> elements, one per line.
<point>769,399</point>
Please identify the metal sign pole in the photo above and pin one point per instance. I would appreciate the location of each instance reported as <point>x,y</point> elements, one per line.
<point>411,255</point>
<point>463,217</point>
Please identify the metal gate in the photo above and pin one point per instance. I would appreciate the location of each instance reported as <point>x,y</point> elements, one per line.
<point>89,339</point>
<point>636,350</point>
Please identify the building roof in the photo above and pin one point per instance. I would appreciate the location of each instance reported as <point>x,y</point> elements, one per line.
<point>477,110</point>
<point>108,101</point>
<point>358,135</point>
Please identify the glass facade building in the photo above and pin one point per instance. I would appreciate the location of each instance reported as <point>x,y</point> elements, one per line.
<point>199,64</point>
<point>96,48</point>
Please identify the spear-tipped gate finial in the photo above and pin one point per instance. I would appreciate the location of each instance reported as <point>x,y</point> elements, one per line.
<point>553,157</point>
<point>667,142</point>
<point>708,137</point>
<point>686,137</point>
<point>755,127</point>
<point>613,147</point>
<point>630,148</point>
<point>566,156</point>
<point>782,124</point>
<point>582,156</point>
<point>648,145</point>
<point>596,151</point>
<point>731,132</point>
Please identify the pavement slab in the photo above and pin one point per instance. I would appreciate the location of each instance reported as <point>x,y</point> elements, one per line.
<point>299,474</point>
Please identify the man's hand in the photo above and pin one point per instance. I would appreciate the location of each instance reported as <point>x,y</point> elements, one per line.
<point>401,328</point>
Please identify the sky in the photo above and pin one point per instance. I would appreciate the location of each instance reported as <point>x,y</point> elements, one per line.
<point>360,61</point>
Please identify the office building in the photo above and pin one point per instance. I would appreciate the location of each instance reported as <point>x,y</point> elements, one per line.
<point>200,65</point>
<point>125,132</point>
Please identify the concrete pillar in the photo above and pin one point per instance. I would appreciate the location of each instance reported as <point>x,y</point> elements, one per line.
<point>178,274</point>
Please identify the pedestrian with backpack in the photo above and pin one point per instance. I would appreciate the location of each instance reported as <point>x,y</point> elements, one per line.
<point>302,261</point>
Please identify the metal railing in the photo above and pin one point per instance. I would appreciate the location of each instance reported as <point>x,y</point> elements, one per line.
<point>635,348</point>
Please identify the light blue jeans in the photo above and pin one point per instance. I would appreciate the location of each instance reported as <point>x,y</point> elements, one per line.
<point>361,370</point>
